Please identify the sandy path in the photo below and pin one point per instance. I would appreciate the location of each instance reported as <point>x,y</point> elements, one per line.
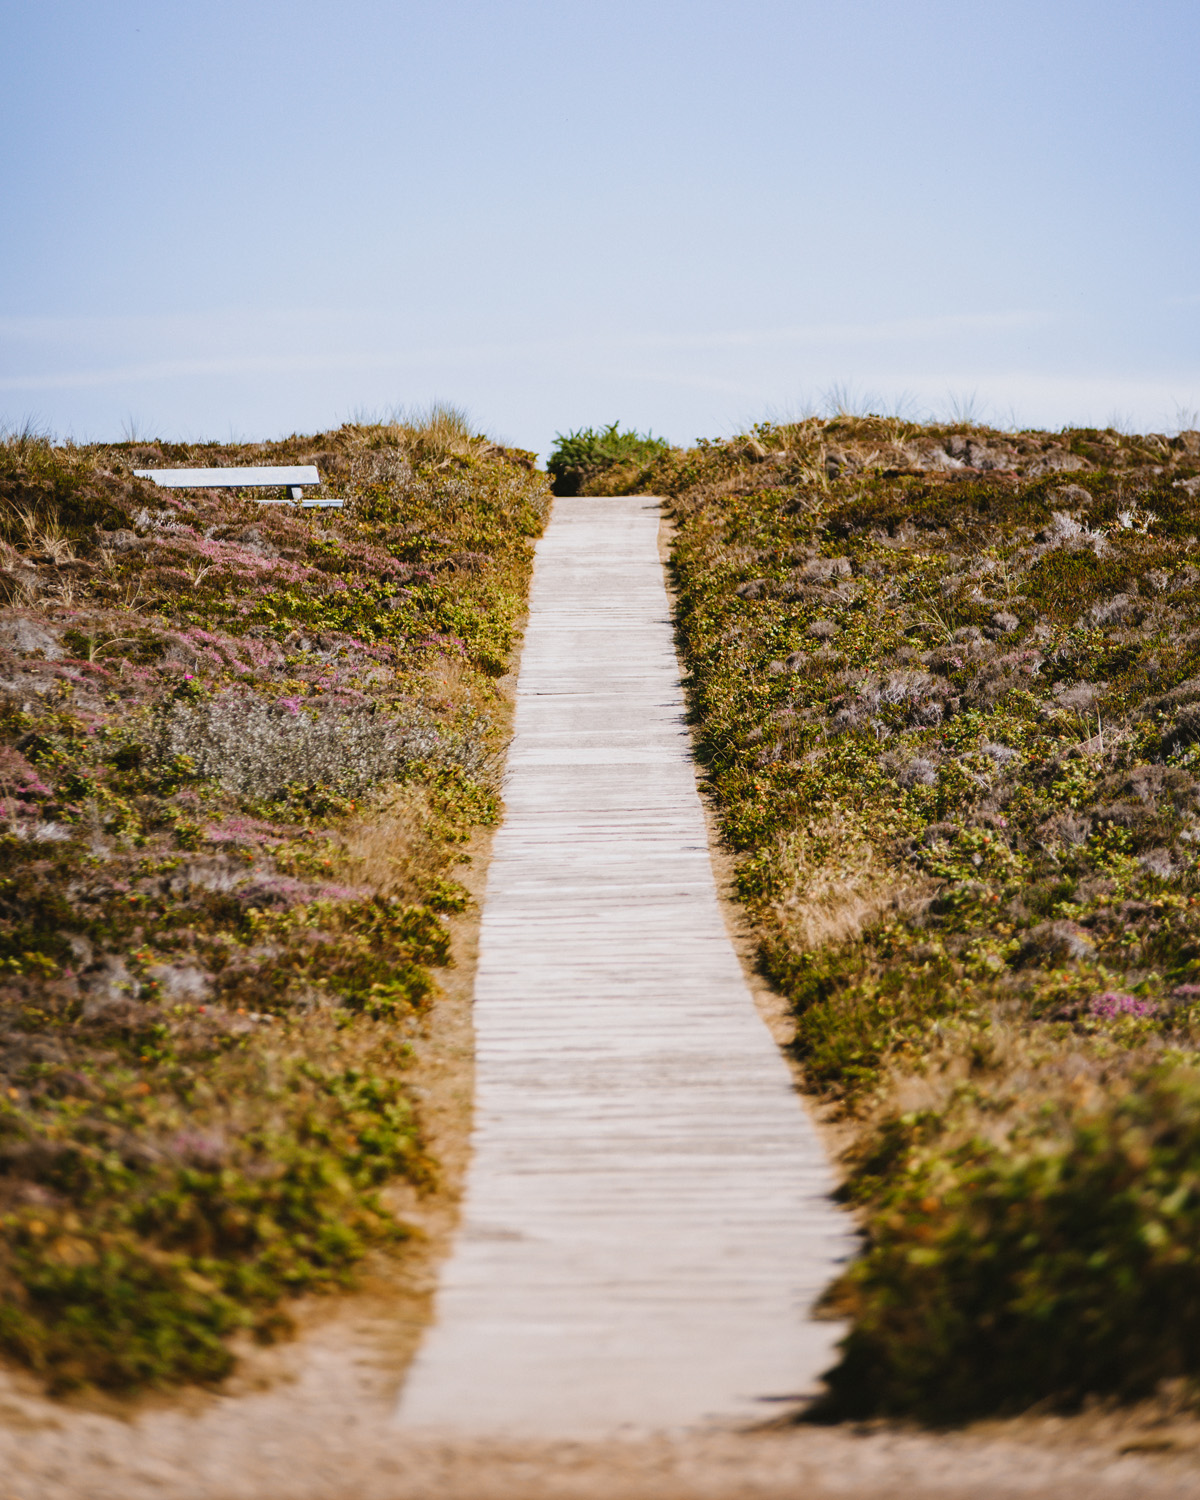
<point>647,1216</point>
<point>325,1431</point>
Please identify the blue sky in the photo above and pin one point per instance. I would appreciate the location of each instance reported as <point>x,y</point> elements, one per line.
<point>243,219</point>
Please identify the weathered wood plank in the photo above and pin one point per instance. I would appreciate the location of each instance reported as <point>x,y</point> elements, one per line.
<point>647,1217</point>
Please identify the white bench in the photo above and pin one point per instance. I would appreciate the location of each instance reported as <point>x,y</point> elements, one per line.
<point>291,479</point>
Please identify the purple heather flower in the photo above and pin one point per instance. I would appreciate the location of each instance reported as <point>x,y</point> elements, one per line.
<point>1113,1003</point>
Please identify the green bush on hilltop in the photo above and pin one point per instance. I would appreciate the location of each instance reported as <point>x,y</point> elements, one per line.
<point>601,460</point>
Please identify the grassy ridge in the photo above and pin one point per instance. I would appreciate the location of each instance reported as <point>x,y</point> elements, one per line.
<point>240,747</point>
<point>948,684</point>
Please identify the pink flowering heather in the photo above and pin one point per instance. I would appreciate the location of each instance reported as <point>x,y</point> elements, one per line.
<point>205,1149</point>
<point>231,561</point>
<point>243,830</point>
<point>19,781</point>
<point>283,892</point>
<point>1114,1003</point>
<point>444,643</point>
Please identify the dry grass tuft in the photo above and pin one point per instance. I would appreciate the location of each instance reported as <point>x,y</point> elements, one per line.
<point>833,883</point>
<point>433,436</point>
<point>389,849</point>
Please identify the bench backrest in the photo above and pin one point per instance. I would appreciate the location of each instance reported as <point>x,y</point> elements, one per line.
<point>246,479</point>
<point>230,479</point>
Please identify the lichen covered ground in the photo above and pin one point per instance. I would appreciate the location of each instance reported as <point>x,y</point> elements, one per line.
<point>946,682</point>
<point>241,748</point>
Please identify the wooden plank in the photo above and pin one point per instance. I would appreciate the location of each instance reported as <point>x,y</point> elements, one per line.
<point>231,479</point>
<point>647,1217</point>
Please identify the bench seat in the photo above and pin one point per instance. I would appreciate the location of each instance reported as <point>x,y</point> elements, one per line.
<point>291,479</point>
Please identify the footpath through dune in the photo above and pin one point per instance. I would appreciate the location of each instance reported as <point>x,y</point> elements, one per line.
<point>647,1217</point>
<point>646,1220</point>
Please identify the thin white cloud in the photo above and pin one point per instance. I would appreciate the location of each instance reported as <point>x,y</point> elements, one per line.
<point>259,329</point>
<point>295,353</point>
<point>202,327</point>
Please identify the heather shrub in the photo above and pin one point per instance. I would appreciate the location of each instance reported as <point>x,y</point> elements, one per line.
<point>241,748</point>
<point>999,1277</point>
<point>944,681</point>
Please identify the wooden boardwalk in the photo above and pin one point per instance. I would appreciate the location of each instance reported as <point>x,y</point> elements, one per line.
<point>647,1217</point>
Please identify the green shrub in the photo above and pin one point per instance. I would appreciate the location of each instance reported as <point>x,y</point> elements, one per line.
<point>580,457</point>
<point>997,1278</point>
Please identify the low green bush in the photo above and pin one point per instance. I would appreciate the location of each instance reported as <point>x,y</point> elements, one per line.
<point>1049,1270</point>
<point>580,458</point>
